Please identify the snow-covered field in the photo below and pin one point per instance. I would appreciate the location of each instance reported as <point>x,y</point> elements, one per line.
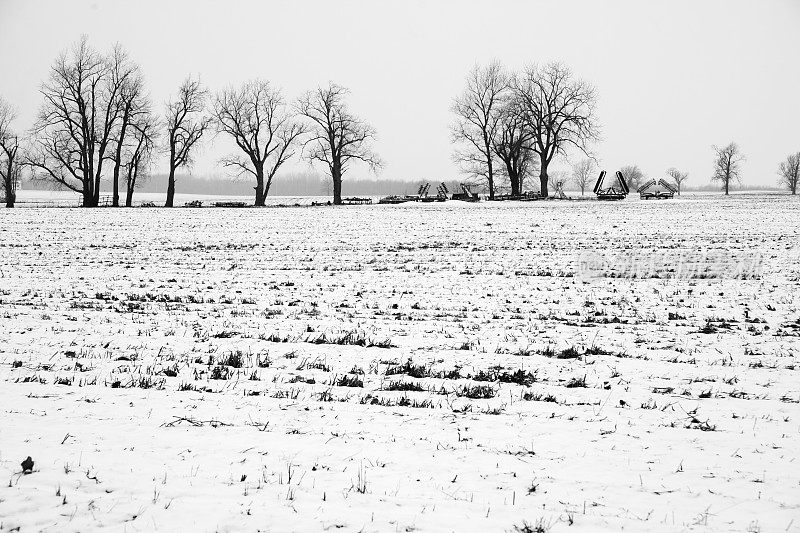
<point>448,367</point>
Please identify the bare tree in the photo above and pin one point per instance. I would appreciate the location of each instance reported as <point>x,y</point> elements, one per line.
<point>133,105</point>
<point>560,112</point>
<point>75,125</point>
<point>678,177</point>
<point>186,124</point>
<point>337,137</point>
<point>583,173</point>
<point>257,119</point>
<point>789,172</point>
<point>512,144</point>
<point>557,178</point>
<point>139,154</point>
<point>727,165</point>
<point>478,115</point>
<point>633,176</point>
<point>9,154</point>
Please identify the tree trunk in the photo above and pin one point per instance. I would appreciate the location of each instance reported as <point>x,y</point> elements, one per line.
<point>118,158</point>
<point>11,196</point>
<point>491,181</point>
<point>727,182</point>
<point>88,192</point>
<point>337,185</point>
<point>129,184</point>
<point>261,193</point>
<point>543,177</point>
<point>97,187</point>
<point>8,184</point>
<point>170,188</point>
<point>513,176</point>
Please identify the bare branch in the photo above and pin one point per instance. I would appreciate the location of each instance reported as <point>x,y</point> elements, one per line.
<point>336,136</point>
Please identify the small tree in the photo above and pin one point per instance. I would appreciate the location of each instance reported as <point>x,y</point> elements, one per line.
<point>678,177</point>
<point>560,113</point>
<point>256,117</point>
<point>186,124</point>
<point>557,176</point>
<point>144,137</point>
<point>582,173</point>
<point>789,172</point>
<point>479,112</point>
<point>727,165</point>
<point>337,137</point>
<point>9,149</point>
<point>633,175</point>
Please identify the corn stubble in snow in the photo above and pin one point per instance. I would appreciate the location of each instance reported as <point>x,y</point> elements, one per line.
<point>402,368</point>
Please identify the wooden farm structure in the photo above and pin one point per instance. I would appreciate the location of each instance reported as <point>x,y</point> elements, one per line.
<point>617,189</point>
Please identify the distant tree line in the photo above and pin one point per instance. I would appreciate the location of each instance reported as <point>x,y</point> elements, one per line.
<point>97,123</point>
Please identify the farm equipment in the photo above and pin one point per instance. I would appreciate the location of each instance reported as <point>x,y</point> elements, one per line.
<point>617,190</point>
<point>353,200</point>
<point>395,199</point>
<point>558,193</point>
<point>441,193</point>
<point>524,197</point>
<point>661,190</point>
<point>466,194</point>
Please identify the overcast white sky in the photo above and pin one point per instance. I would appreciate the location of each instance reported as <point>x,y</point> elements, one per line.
<point>673,77</point>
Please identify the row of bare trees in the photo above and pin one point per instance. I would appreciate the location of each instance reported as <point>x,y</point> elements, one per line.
<point>97,124</point>
<point>96,118</point>
<point>514,124</point>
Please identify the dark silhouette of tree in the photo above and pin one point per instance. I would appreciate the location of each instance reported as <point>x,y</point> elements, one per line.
<point>186,124</point>
<point>10,167</point>
<point>257,119</point>
<point>789,172</point>
<point>76,123</point>
<point>133,103</point>
<point>727,165</point>
<point>560,113</point>
<point>582,173</point>
<point>478,115</point>
<point>143,140</point>
<point>512,144</point>
<point>678,177</point>
<point>337,137</point>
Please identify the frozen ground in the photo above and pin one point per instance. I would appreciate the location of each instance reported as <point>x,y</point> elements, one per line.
<point>402,368</point>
